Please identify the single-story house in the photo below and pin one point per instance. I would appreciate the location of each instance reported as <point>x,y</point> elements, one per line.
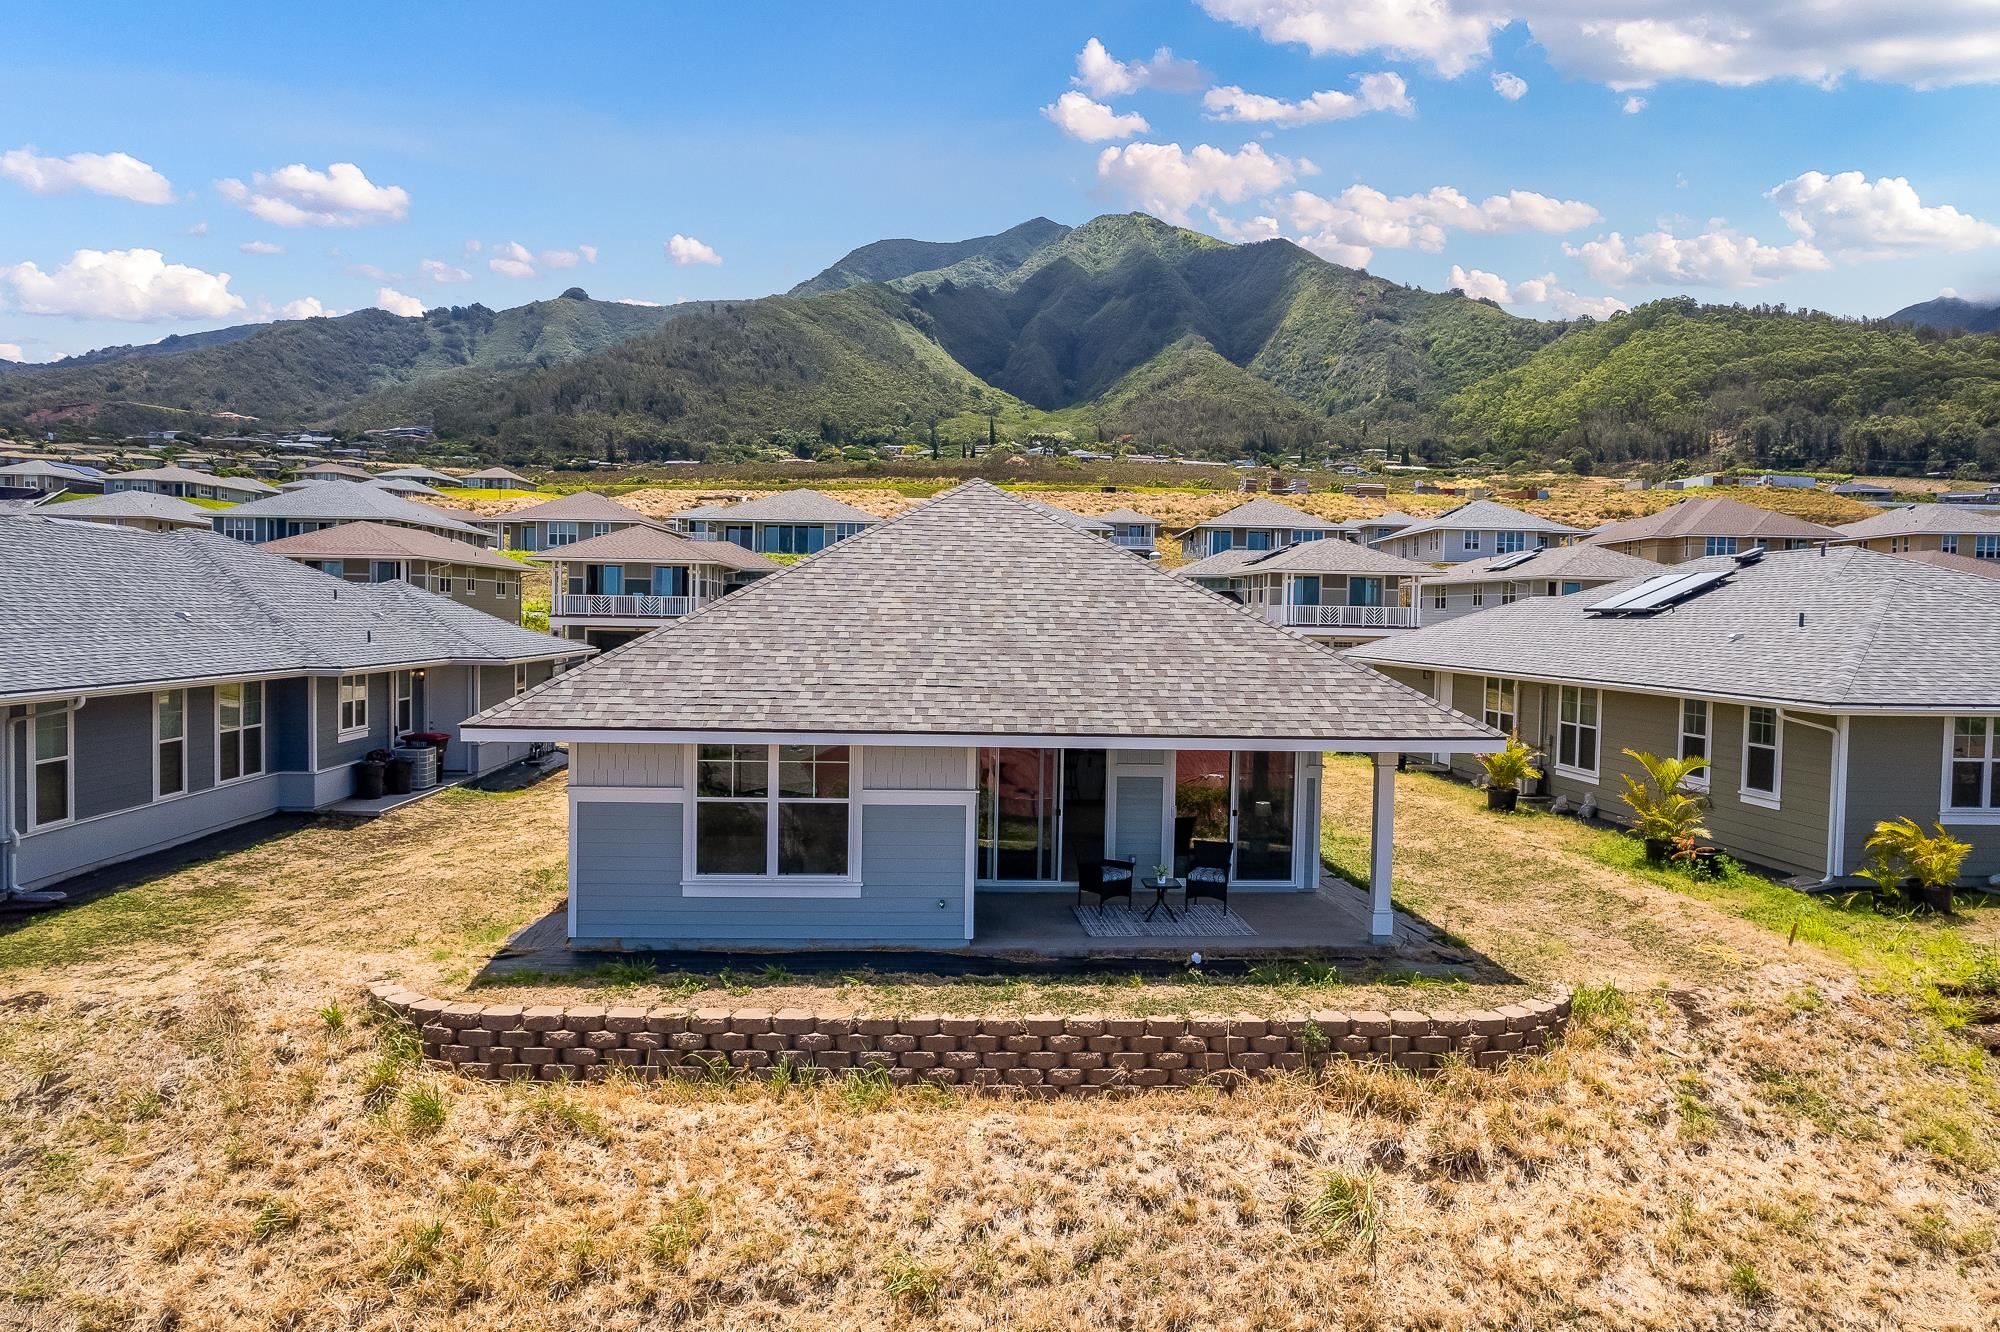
<point>1501,580</point>
<point>1334,592</point>
<point>1869,492</point>
<point>331,503</point>
<point>861,749</point>
<point>1830,689</point>
<point>1258,524</point>
<point>427,476</point>
<point>1927,527</point>
<point>1698,528</point>
<point>133,508</point>
<point>791,522</point>
<point>1473,531</point>
<point>326,471</point>
<point>485,580</point>
<point>51,478</point>
<point>186,483</point>
<point>495,478</point>
<point>559,522</point>
<point>155,688</point>
<point>609,589</point>
<point>403,485</point>
<point>1133,531</point>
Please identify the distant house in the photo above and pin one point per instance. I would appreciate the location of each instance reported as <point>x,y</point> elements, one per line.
<point>1688,483</point>
<point>1258,524</point>
<point>1694,529</point>
<point>1134,531</point>
<point>1369,530</point>
<point>608,589</point>
<point>1829,688</point>
<point>1866,491</point>
<point>1977,499</point>
<point>330,503</point>
<point>495,478</point>
<point>1927,527</point>
<point>1366,489</point>
<point>422,475</point>
<point>559,522</point>
<point>370,552</point>
<point>158,688</point>
<point>140,509</point>
<point>791,522</point>
<point>51,478</point>
<point>402,485</point>
<point>1501,580</point>
<point>186,483</point>
<point>1334,592</point>
<point>326,471</point>
<point>1472,532</point>
<point>888,745</point>
<point>1783,481</point>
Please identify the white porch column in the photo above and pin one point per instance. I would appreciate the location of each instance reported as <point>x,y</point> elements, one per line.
<point>1381,850</point>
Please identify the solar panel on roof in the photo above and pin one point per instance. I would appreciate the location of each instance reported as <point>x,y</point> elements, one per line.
<point>1660,591</point>
<point>1510,561</point>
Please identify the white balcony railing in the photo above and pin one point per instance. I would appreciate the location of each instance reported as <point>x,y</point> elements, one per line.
<point>1344,617</point>
<point>622,606</point>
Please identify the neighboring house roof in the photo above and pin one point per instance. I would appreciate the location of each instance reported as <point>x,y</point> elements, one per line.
<point>173,474</point>
<point>1861,488</point>
<point>62,471</point>
<point>1223,564</point>
<point>495,474</point>
<point>97,608</point>
<point>1575,562</point>
<point>1713,518</point>
<point>1395,518</point>
<point>898,631</point>
<point>1080,521</point>
<point>423,474</point>
<point>1483,516</point>
<point>11,507</point>
<point>585,506</point>
<point>384,541</point>
<point>1261,512</point>
<point>1920,520</point>
<point>787,506</point>
<point>1328,556</point>
<point>401,485</point>
<point>1959,563</point>
<point>653,545</point>
<point>133,504</point>
<point>1838,628</point>
<point>1129,518</point>
<point>338,469</point>
<point>350,501</point>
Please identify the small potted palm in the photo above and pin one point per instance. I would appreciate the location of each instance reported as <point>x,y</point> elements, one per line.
<point>1903,853</point>
<point>1663,813</point>
<point>1506,770</point>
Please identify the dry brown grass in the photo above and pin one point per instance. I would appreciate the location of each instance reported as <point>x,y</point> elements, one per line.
<point>1745,1134</point>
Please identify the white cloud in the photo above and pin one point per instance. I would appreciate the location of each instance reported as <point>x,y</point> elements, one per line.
<point>11,351</point>
<point>373,272</point>
<point>261,247</point>
<point>634,300</point>
<point>687,250</point>
<point>1093,122</point>
<point>1510,86</point>
<point>561,258</point>
<point>396,303</point>
<point>120,175</point>
<point>1244,233</point>
<point>1098,74</point>
<point>589,253</point>
<point>1479,284</point>
<point>1162,179</point>
<point>1862,219</point>
<point>1947,293</point>
<point>512,260</point>
<point>136,285</point>
<point>437,270</point>
<point>1378,92</point>
<point>473,247</point>
<point>198,229</point>
<point>298,196</point>
<point>1633,105</point>
<point>1361,217</point>
<point>1719,258</point>
<point>305,307</point>
<point>1636,43</point>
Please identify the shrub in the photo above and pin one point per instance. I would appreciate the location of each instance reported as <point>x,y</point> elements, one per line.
<point>1507,769</point>
<point>1662,810</point>
<point>1900,848</point>
<point>1345,1212</point>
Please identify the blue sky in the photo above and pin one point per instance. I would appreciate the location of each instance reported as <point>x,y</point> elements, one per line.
<point>1654,148</point>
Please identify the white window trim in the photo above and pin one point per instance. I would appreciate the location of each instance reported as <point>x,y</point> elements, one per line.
<point>1562,769</point>
<point>1513,689</point>
<point>340,687</point>
<point>69,769</point>
<point>1975,817</point>
<point>1697,781</point>
<point>772,885</point>
<point>1772,799</point>
<point>158,740</point>
<point>243,773</point>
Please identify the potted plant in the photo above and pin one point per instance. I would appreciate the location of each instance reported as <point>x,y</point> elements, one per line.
<point>1903,852</point>
<point>1506,770</point>
<point>1663,813</point>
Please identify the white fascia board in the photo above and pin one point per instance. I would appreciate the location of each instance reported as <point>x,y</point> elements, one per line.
<point>487,733</point>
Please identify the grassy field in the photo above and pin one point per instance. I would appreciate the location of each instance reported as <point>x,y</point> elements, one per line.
<point>1767,1115</point>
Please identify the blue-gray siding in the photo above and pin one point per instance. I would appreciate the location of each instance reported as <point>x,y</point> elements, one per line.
<point>334,751</point>
<point>1895,769</point>
<point>113,748</point>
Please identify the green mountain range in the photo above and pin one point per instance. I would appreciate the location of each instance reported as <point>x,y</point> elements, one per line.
<point>1125,326</point>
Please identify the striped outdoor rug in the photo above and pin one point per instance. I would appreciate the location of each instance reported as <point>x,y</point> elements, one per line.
<point>1118,921</point>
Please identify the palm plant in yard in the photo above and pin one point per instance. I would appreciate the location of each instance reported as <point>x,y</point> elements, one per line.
<point>1506,770</point>
<point>1663,813</point>
<point>1900,850</point>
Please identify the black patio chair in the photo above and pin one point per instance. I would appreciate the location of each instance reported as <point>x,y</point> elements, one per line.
<point>1107,879</point>
<point>1208,876</point>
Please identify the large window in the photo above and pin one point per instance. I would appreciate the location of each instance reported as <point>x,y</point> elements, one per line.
<point>51,780</point>
<point>1502,708</point>
<point>1974,777</point>
<point>1576,731</point>
<point>1761,739</point>
<point>1264,785</point>
<point>747,824</point>
<point>239,723</point>
<point>561,534</point>
<point>794,539</point>
<point>1471,541</point>
<point>1986,548</point>
<point>1719,546</point>
<point>1506,543</point>
<point>1694,736</point>
<point>353,706</point>
<point>169,742</point>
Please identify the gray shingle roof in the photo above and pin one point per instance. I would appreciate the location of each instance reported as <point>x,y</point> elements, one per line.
<point>388,542</point>
<point>174,474</point>
<point>1921,519</point>
<point>495,474</point>
<point>1329,556</point>
<point>329,471</point>
<point>1844,628</point>
<point>1223,564</point>
<point>787,506</point>
<point>653,545</point>
<point>1965,564</point>
<point>133,504</point>
<point>584,506</point>
<point>350,501</point>
<point>1713,517</point>
<point>62,471</point>
<point>94,608</point>
<point>1483,516</point>
<point>1046,632</point>
<point>1261,512</point>
<point>1130,517</point>
<point>1069,517</point>
<point>401,485</point>
<point>428,476</point>
<point>1578,562</point>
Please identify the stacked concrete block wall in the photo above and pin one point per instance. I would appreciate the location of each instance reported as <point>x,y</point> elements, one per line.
<point>1046,1055</point>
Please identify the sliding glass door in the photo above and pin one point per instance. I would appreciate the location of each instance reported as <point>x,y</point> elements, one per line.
<point>1039,811</point>
<point>1246,799</point>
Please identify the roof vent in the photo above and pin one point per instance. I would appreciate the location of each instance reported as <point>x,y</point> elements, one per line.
<point>185,617</point>
<point>1748,557</point>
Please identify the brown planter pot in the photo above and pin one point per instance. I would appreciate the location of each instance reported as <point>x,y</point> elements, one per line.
<point>1502,801</point>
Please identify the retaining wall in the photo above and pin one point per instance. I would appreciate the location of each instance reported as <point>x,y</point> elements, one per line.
<point>1056,1053</point>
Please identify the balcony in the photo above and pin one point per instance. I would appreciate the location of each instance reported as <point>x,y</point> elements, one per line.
<point>599,606</point>
<point>1344,617</point>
